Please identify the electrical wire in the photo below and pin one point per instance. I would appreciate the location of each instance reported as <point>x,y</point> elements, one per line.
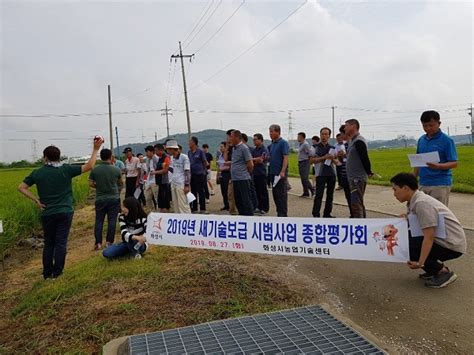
<point>220,28</point>
<point>204,24</point>
<point>251,47</point>
<point>203,14</point>
<point>207,111</point>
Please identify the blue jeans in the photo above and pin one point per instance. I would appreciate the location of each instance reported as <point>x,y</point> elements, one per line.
<point>109,208</point>
<point>56,231</point>
<point>123,249</point>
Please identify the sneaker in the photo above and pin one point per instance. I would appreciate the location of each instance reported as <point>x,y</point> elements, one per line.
<point>441,280</point>
<point>339,188</point>
<point>256,211</point>
<point>212,193</point>
<point>98,246</point>
<point>207,201</point>
<point>263,213</point>
<point>138,256</point>
<point>426,276</point>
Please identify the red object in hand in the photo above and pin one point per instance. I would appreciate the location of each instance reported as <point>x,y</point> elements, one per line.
<point>97,138</point>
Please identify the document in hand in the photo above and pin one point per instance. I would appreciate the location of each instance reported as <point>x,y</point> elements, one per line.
<point>276,179</point>
<point>190,197</point>
<point>420,160</point>
<point>328,162</point>
<point>137,193</point>
<point>416,231</point>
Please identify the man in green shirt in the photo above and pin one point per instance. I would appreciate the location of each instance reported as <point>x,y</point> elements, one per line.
<point>54,184</point>
<point>106,179</point>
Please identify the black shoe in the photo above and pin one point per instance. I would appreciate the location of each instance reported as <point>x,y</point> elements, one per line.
<point>304,195</point>
<point>426,276</point>
<point>441,280</point>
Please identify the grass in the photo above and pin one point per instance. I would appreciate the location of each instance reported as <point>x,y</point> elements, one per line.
<point>388,162</point>
<point>97,300</point>
<point>23,219</point>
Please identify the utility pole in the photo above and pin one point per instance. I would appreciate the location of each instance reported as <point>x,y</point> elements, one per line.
<point>333,131</point>
<point>166,112</point>
<point>116,137</point>
<point>34,150</point>
<point>110,120</point>
<point>181,56</point>
<point>156,137</point>
<point>290,131</point>
<point>472,124</point>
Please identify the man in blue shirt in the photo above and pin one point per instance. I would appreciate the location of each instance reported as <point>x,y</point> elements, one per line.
<point>198,162</point>
<point>260,158</point>
<point>436,179</point>
<point>279,170</point>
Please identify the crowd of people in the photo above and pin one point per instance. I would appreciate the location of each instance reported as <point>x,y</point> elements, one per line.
<point>163,178</point>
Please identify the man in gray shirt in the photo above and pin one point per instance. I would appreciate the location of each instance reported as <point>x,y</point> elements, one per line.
<point>358,167</point>
<point>240,169</point>
<point>428,250</point>
<point>305,151</point>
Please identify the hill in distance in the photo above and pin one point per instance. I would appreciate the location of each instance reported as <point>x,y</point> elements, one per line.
<point>213,137</point>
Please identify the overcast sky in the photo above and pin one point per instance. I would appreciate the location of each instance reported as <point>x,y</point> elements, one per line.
<point>57,57</point>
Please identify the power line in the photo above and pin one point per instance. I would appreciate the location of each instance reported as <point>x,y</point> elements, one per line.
<point>172,84</point>
<point>206,9</point>
<point>375,110</point>
<point>204,24</point>
<point>169,78</point>
<point>251,47</point>
<point>202,111</point>
<point>221,27</point>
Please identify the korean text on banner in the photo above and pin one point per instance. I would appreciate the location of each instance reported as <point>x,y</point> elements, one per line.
<point>336,238</point>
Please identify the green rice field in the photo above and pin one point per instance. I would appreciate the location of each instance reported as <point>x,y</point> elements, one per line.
<point>19,214</point>
<point>388,162</point>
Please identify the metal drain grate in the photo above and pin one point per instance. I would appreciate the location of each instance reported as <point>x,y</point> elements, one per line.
<point>296,331</point>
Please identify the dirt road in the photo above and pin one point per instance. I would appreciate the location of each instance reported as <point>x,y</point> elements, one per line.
<point>388,300</point>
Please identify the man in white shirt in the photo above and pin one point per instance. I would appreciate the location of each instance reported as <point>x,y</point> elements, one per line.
<point>132,168</point>
<point>151,188</point>
<point>180,178</point>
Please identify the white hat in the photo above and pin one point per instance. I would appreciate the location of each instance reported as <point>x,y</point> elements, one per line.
<point>172,144</point>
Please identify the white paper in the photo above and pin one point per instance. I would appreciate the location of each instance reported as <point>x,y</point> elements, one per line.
<point>328,162</point>
<point>137,193</point>
<point>420,160</point>
<point>1,227</point>
<point>416,231</point>
<point>276,179</point>
<point>190,197</point>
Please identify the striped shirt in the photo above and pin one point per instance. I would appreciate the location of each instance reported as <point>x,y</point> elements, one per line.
<point>128,230</point>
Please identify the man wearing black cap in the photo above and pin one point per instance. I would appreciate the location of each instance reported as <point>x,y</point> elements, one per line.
<point>132,167</point>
